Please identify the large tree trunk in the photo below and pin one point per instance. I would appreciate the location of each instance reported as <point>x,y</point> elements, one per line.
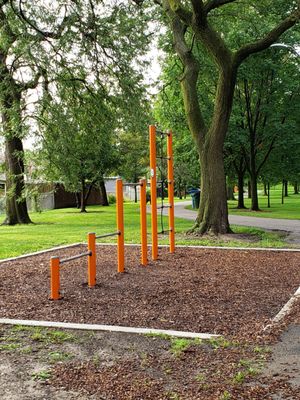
<point>16,207</point>
<point>213,213</point>
<point>103,194</point>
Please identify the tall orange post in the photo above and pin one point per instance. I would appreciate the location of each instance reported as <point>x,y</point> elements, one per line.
<point>143,219</point>
<point>54,278</point>
<point>92,259</point>
<point>152,133</point>
<point>171,192</point>
<point>120,225</point>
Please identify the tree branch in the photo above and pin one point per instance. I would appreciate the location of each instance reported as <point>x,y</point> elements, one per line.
<point>47,34</point>
<point>269,39</point>
<point>177,8</point>
<point>212,4</point>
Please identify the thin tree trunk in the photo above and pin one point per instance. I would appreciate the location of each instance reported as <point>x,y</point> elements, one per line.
<point>296,188</point>
<point>83,197</point>
<point>241,203</point>
<point>286,188</point>
<point>268,190</point>
<point>282,193</point>
<point>265,189</point>
<point>230,192</point>
<point>249,189</point>
<point>103,194</point>
<point>135,194</point>
<point>77,197</point>
<point>254,195</point>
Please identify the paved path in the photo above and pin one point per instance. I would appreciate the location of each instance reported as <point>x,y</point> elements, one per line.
<point>289,225</point>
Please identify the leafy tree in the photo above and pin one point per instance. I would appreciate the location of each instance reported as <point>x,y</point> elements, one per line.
<point>77,140</point>
<point>133,156</point>
<point>96,42</point>
<point>264,114</point>
<point>208,27</point>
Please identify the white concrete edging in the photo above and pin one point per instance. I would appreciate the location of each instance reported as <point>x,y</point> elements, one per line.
<point>286,309</point>
<point>108,328</point>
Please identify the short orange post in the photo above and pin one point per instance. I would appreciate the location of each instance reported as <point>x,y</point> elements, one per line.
<point>171,192</point>
<point>54,278</point>
<point>92,259</point>
<point>143,219</point>
<point>152,133</point>
<point>120,225</point>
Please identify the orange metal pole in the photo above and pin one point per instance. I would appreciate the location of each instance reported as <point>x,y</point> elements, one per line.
<point>152,133</point>
<point>171,192</point>
<point>143,219</point>
<point>92,259</point>
<point>120,225</point>
<point>54,278</point>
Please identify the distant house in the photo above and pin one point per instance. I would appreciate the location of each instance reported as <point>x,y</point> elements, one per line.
<point>49,196</point>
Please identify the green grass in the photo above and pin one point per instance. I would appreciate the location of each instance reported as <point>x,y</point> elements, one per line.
<point>66,226</point>
<point>289,210</point>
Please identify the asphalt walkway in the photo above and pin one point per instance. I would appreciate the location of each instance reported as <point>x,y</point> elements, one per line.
<point>292,226</point>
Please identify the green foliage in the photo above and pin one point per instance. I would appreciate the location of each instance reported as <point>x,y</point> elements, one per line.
<point>112,199</point>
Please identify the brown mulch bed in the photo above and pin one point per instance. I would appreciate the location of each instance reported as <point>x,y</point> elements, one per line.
<point>230,292</point>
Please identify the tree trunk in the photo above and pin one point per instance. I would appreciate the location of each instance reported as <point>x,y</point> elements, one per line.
<point>77,197</point>
<point>249,189</point>
<point>230,192</point>
<point>135,194</point>
<point>254,196</point>
<point>268,190</point>
<point>16,207</point>
<point>103,194</point>
<point>83,197</point>
<point>296,188</point>
<point>286,188</point>
<point>265,189</point>
<point>282,193</point>
<point>241,203</point>
<point>213,213</point>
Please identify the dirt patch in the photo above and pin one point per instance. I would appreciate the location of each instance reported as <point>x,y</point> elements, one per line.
<point>227,292</point>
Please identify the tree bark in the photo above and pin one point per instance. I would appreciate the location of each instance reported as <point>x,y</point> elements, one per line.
<point>286,188</point>
<point>83,197</point>
<point>16,207</point>
<point>241,203</point>
<point>230,192</point>
<point>296,188</point>
<point>213,213</point>
<point>103,194</point>
<point>254,195</point>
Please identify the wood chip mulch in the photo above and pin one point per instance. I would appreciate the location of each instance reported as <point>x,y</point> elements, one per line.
<point>229,292</point>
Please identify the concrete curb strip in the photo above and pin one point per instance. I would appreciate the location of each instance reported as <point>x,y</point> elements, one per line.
<point>286,309</point>
<point>108,328</point>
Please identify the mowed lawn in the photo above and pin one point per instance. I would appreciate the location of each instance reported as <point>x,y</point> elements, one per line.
<point>289,210</point>
<point>66,226</point>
